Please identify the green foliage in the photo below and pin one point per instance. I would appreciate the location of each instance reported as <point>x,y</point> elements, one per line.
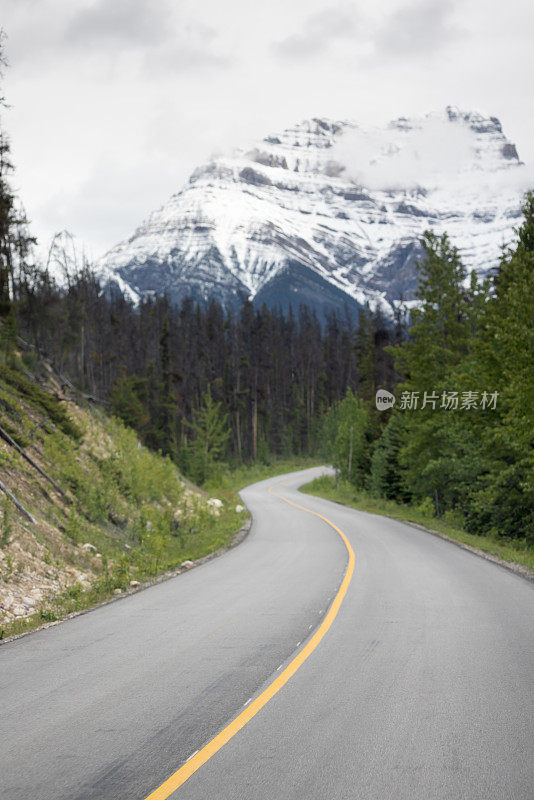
<point>7,573</point>
<point>449,524</point>
<point>7,524</point>
<point>503,499</point>
<point>328,432</point>
<point>18,435</point>
<point>8,337</point>
<point>126,403</point>
<point>231,480</point>
<point>132,505</point>
<point>211,434</point>
<point>74,527</point>
<point>386,478</point>
<point>343,437</point>
<point>476,338</point>
<point>42,400</point>
<point>438,342</point>
<point>139,473</point>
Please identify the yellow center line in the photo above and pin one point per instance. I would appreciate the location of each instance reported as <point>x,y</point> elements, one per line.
<point>198,759</point>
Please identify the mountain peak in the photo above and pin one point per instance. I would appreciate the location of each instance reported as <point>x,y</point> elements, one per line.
<point>328,212</point>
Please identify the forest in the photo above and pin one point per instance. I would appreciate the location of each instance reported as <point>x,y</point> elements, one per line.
<point>209,388</point>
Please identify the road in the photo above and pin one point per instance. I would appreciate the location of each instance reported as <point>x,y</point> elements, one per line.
<point>421,688</point>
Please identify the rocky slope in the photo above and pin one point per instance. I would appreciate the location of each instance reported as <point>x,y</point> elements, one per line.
<point>97,512</point>
<point>327,213</point>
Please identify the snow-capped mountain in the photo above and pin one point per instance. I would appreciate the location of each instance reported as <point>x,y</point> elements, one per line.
<point>327,212</point>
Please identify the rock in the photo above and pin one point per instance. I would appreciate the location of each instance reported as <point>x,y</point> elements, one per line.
<point>187,564</point>
<point>89,547</point>
<point>28,601</point>
<point>117,591</point>
<point>134,583</point>
<point>254,177</point>
<point>239,509</point>
<point>215,505</point>
<point>127,547</point>
<point>117,520</point>
<point>509,151</point>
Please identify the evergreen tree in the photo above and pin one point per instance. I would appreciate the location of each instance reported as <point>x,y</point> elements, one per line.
<point>438,341</point>
<point>7,224</point>
<point>14,240</point>
<point>210,426</point>
<point>126,403</point>
<point>439,332</point>
<point>501,498</point>
<point>166,411</point>
<point>386,478</point>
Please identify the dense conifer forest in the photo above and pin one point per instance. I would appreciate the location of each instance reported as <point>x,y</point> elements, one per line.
<point>210,388</point>
<point>168,370</point>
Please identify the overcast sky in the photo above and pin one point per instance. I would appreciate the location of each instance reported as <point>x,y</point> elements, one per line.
<point>114,102</point>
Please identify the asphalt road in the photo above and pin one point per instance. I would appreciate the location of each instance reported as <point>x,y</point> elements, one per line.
<point>421,689</point>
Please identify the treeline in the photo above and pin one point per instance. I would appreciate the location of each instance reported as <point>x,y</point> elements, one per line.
<point>174,372</point>
<point>198,384</point>
<point>460,437</point>
<point>206,387</point>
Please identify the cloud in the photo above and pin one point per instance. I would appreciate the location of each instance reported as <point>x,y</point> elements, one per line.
<point>391,158</point>
<point>318,33</point>
<point>156,105</point>
<point>167,41</point>
<point>422,28</point>
<point>128,21</point>
<point>407,157</point>
<point>197,49</point>
<point>153,35</point>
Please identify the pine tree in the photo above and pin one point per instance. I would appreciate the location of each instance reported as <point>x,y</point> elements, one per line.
<point>439,333</point>
<point>386,478</point>
<point>126,403</point>
<point>7,222</point>
<point>166,406</point>
<point>14,240</point>
<point>437,344</point>
<point>210,426</point>
<point>501,499</point>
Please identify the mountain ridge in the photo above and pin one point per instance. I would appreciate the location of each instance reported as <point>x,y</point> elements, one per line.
<point>328,212</point>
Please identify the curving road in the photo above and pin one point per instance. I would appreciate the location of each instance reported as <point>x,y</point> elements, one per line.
<point>421,689</point>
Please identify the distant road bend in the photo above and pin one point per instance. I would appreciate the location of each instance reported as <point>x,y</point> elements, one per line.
<point>333,655</point>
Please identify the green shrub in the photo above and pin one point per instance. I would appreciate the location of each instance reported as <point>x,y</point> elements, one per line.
<point>47,402</point>
<point>426,507</point>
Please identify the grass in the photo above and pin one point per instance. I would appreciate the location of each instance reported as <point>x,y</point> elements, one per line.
<point>38,396</point>
<point>131,504</point>
<point>236,478</point>
<point>161,545</point>
<point>159,553</point>
<point>515,552</point>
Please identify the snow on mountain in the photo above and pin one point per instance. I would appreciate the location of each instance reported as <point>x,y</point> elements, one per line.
<point>328,212</point>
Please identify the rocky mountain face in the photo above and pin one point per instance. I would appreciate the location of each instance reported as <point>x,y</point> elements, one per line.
<point>328,213</point>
